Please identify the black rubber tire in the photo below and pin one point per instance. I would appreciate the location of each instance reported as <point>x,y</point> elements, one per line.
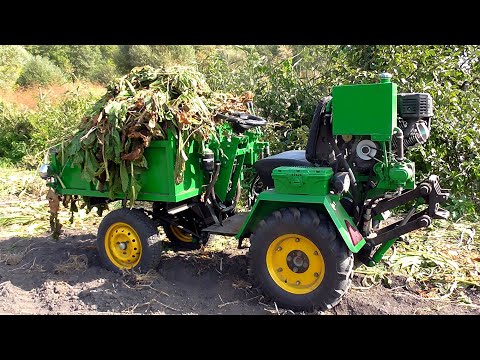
<point>337,257</point>
<point>147,232</point>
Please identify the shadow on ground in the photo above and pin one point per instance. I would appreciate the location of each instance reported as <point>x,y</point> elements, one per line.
<point>66,276</point>
<point>41,276</point>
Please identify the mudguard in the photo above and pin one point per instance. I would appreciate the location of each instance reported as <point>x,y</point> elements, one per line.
<point>268,201</point>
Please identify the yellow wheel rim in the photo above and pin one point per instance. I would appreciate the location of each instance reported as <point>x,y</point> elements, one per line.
<point>181,235</point>
<point>295,264</point>
<point>123,246</point>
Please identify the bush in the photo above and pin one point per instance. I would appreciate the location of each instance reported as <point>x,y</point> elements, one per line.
<point>104,73</point>
<point>15,133</point>
<point>452,152</point>
<point>288,81</point>
<point>97,63</point>
<point>161,55</point>
<point>54,122</point>
<point>57,54</point>
<point>40,71</point>
<point>12,60</point>
<point>26,134</point>
<point>287,90</point>
<point>282,94</point>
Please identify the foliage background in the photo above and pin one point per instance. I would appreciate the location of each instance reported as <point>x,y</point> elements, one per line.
<point>45,89</point>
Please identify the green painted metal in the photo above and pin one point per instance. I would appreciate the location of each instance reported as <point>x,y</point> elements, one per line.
<point>401,173</point>
<point>233,151</point>
<point>228,157</point>
<point>269,201</point>
<point>254,146</point>
<point>365,109</point>
<point>368,110</point>
<point>339,216</point>
<point>158,178</point>
<point>302,180</point>
<point>381,251</point>
<point>236,172</point>
<point>158,183</point>
<point>391,175</point>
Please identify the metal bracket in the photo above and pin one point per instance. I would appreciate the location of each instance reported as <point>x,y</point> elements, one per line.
<point>430,191</point>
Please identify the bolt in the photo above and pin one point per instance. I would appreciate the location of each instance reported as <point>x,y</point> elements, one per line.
<point>315,253</point>
<point>289,258</point>
<point>425,221</point>
<point>279,270</point>
<point>297,240</point>
<point>425,189</point>
<point>279,248</point>
<point>316,275</point>
<point>295,269</point>
<point>298,282</point>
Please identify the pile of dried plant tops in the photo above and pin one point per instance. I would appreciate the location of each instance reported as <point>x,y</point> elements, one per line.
<point>110,143</point>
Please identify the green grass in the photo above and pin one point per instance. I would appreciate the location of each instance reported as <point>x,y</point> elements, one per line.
<point>25,210</point>
<point>439,262</point>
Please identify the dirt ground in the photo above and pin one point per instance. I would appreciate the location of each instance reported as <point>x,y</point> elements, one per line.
<point>41,276</point>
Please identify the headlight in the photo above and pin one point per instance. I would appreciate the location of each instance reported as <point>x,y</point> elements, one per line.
<point>44,171</point>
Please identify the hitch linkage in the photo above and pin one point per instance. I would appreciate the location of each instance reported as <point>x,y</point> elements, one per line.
<point>430,191</point>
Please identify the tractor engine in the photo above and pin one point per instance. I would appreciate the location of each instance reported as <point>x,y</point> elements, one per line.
<point>362,132</point>
<point>414,118</point>
<point>414,113</point>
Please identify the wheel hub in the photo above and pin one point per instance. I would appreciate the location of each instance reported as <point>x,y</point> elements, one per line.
<point>123,246</point>
<point>295,263</point>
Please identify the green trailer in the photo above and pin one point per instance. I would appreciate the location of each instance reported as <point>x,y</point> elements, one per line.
<point>313,213</point>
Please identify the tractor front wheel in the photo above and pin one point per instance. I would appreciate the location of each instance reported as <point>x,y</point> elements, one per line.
<point>298,261</point>
<point>128,239</point>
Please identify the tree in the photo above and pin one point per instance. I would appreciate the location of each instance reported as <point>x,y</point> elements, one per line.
<point>161,55</point>
<point>12,60</point>
<point>57,54</point>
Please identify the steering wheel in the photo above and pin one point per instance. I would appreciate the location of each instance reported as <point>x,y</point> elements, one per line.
<point>243,121</point>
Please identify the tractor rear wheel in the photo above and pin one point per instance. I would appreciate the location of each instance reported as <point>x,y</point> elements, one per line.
<point>128,239</point>
<point>297,259</point>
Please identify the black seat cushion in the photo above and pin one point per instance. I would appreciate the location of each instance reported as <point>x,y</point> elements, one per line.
<point>264,167</point>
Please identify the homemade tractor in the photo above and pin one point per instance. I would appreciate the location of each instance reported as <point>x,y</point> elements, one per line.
<point>314,212</point>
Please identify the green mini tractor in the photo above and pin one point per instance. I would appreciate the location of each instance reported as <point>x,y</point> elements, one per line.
<point>313,213</point>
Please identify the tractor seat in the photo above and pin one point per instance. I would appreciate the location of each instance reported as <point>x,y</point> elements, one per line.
<point>264,167</point>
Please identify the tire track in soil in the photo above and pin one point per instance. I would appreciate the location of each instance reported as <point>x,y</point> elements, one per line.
<point>213,281</point>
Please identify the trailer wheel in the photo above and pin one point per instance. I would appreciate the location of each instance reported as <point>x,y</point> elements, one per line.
<point>128,239</point>
<point>298,261</point>
<point>180,239</point>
